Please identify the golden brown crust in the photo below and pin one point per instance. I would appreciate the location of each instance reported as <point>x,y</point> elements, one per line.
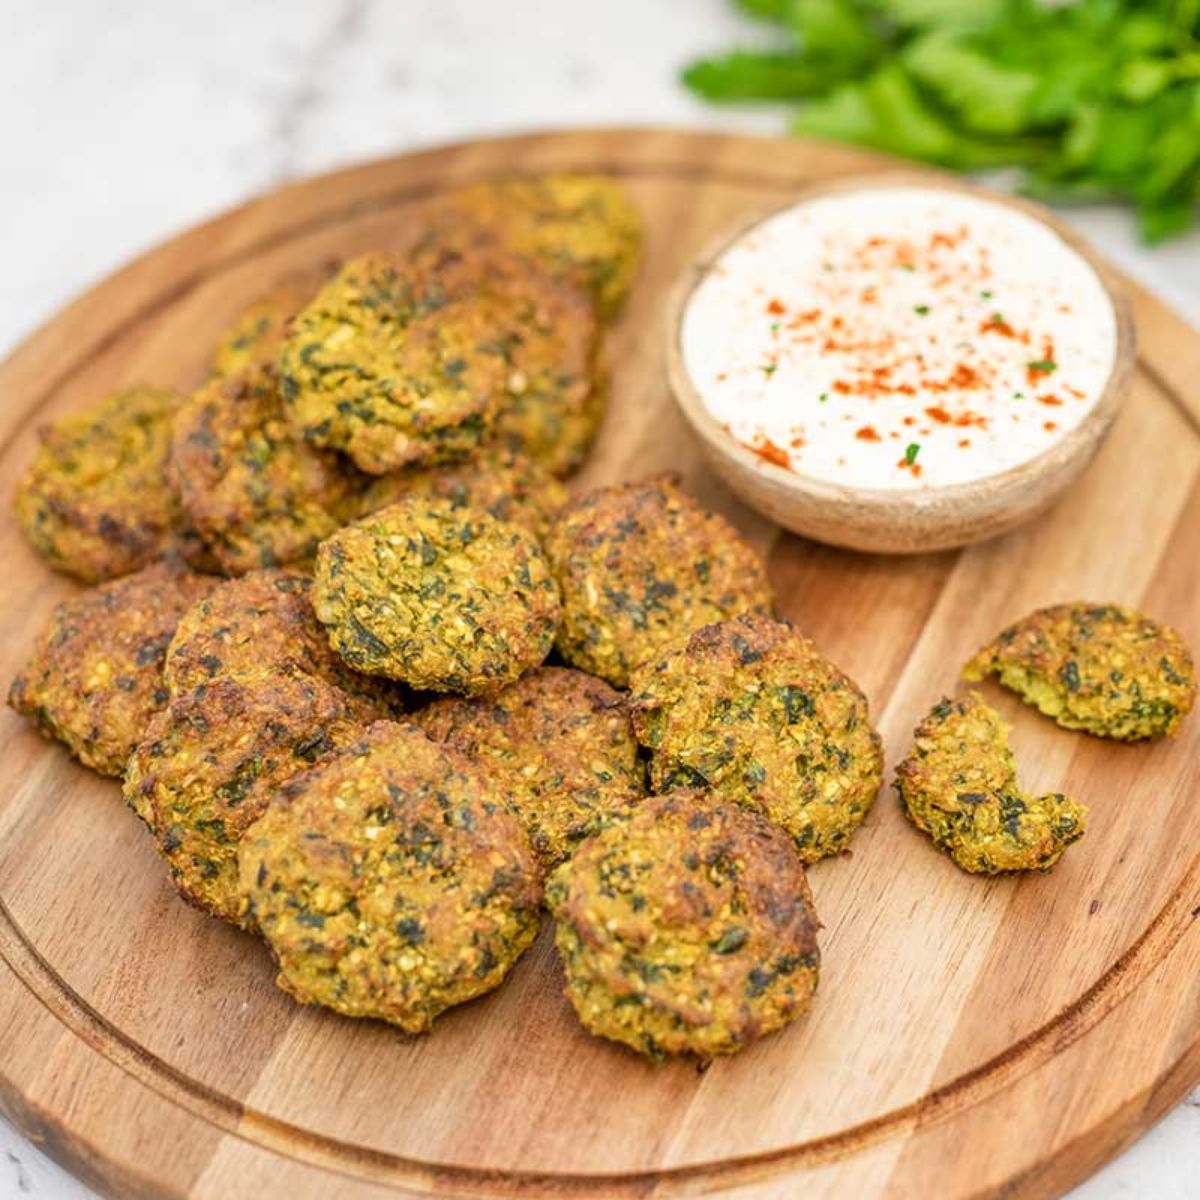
<point>391,881</point>
<point>640,564</point>
<point>96,502</point>
<point>210,762</point>
<point>559,744</point>
<point>753,710</point>
<point>264,622</point>
<point>688,928</point>
<point>257,495</point>
<point>95,676</point>
<point>555,383</point>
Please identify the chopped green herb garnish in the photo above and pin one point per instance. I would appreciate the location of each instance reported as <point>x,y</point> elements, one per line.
<point>922,310</point>
<point>910,453</point>
<point>1044,365</point>
<point>769,369</point>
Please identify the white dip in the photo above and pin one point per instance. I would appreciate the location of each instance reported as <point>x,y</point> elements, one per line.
<point>899,337</point>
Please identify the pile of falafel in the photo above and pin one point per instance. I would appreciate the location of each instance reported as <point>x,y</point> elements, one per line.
<point>382,691</point>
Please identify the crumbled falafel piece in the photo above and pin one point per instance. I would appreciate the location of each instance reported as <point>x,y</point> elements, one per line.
<point>959,785</point>
<point>640,564</point>
<point>1106,670</point>
<point>391,881</point>
<point>752,709</point>
<point>95,677</point>
<point>441,598</point>
<point>559,744</point>
<point>687,929</point>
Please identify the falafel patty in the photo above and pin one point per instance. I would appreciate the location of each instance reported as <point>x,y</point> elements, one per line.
<point>261,622</point>
<point>210,762</point>
<point>388,366</point>
<point>753,710</point>
<point>556,380</point>
<point>505,482</point>
<point>959,785</point>
<point>257,495</point>
<point>254,338</point>
<point>582,226</point>
<point>391,881</point>
<point>442,598</point>
<point>553,424</point>
<point>687,929</point>
<point>558,743</point>
<point>95,677</point>
<point>640,564</point>
<point>1106,670</point>
<point>96,502</point>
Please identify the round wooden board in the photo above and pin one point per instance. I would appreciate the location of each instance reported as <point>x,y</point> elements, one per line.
<point>970,1037</point>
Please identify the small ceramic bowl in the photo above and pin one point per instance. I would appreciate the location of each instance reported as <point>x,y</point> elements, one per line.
<point>915,520</point>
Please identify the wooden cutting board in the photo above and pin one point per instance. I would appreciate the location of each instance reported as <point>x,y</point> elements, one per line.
<point>970,1037</point>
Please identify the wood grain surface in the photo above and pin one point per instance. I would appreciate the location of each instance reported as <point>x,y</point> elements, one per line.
<point>970,1037</point>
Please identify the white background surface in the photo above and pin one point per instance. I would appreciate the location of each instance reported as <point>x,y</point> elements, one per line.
<point>124,121</point>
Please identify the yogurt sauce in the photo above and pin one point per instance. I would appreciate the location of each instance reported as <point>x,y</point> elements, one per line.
<point>898,338</point>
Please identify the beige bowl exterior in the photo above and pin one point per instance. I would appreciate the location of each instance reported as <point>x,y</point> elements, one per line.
<point>916,521</point>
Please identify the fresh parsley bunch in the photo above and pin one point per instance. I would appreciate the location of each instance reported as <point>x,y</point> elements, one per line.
<point>1095,99</point>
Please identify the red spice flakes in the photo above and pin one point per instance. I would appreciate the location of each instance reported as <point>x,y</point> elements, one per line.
<point>997,324</point>
<point>963,419</point>
<point>966,377</point>
<point>807,317</point>
<point>910,420</point>
<point>776,308</point>
<point>869,295</point>
<point>947,241</point>
<point>1050,399</point>
<point>867,433</point>
<point>963,443</point>
<point>1049,426</point>
<point>769,452</point>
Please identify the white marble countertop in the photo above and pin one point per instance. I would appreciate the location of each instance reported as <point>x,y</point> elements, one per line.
<point>126,122</point>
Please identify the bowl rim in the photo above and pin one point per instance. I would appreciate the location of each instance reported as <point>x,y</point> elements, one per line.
<point>1082,439</point>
